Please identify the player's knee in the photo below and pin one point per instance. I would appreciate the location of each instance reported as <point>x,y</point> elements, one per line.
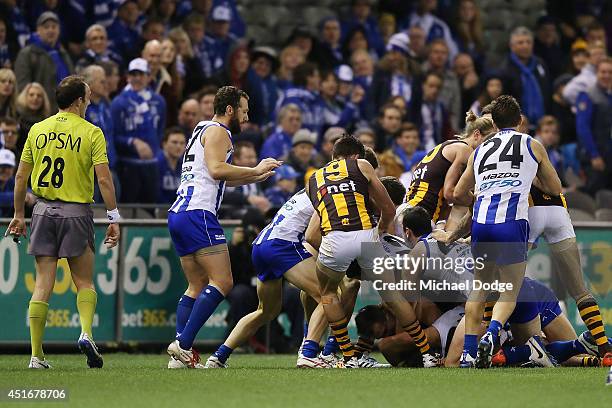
<point>269,312</point>
<point>224,285</point>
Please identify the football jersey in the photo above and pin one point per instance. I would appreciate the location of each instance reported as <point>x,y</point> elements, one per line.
<point>504,168</point>
<point>290,222</point>
<point>197,189</point>
<point>427,186</point>
<point>63,150</point>
<point>538,198</point>
<point>443,265</point>
<point>339,193</point>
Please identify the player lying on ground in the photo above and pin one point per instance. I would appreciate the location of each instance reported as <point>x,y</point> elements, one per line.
<point>537,311</point>
<point>442,316</point>
<point>192,220</point>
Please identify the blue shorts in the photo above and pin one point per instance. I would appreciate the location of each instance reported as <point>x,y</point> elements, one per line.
<point>272,258</point>
<point>193,230</point>
<point>535,299</point>
<point>504,243</point>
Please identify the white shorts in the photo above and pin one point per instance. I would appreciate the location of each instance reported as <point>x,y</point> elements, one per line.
<point>553,222</point>
<point>339,248</point>
<point>446,325</point>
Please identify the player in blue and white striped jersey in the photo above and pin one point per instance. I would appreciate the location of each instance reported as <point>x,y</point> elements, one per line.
<point>192,220</point>
<point>278,252</point>
<point>501,172</point>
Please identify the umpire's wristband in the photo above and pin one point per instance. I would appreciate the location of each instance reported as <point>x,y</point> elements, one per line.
<point>113,216</point>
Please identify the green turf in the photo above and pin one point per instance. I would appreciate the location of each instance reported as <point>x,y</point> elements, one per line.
<point>129,380</point>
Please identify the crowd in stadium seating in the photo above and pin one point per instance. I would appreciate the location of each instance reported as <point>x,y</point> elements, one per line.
<point>399,75</point>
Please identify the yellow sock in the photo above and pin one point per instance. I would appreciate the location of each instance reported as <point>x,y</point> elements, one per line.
<point>86,305</point>
<point>37,313</point>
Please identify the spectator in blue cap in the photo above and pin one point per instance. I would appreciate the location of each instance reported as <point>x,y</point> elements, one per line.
<point>219,39</point>
<point>284,187</point>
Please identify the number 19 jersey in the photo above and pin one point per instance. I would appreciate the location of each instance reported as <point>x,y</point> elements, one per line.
<point>339,193</point>
<point>504,168</point>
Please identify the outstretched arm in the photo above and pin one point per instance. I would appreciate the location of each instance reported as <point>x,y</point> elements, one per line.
<point>216,147</point>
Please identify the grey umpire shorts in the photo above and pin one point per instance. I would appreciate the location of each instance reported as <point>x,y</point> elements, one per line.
<point>60,229</point>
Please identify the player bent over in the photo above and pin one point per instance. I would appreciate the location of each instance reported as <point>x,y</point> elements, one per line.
<point>349,288</point>
<point>340,193</point>
<point>537,311</point>
<point>192,220</point>
<point>62,177</point>
<point>278,253</point>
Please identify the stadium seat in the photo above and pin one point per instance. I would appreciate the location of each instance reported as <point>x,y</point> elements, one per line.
<point>603,198</point>
<point>262,35</point>
<point>272,15</point>
<point>580,200</point>
<point>283,31</point>
<point>603,214</point>
<point>313,15</point>
<point>572,179</point>
<point>580,215</point>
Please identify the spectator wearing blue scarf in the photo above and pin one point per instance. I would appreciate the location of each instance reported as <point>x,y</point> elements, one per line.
<point>279,143</point>
<point>405,146</point>
<point>547,133</point>
<point>137,135</point>
<point>305,94</point>
<point>526,76</point>
<point>44,60</point>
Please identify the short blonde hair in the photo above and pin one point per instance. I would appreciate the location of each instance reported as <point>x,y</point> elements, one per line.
<point>45,110</point>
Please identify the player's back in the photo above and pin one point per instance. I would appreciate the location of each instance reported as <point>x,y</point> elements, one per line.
<point>62,148</point>
<point>198,190</point>
<point>449,263</point>
<point>427,185</point>
<point>339,193</point>
<point>290,221</point>
<point>504,168</point>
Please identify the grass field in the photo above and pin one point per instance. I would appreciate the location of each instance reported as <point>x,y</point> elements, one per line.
<point>129,380</point>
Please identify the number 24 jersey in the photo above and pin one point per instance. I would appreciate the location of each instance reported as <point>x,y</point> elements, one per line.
<point>504,168</point>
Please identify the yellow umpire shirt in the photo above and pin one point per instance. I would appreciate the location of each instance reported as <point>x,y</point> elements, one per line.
<point>63,150</point>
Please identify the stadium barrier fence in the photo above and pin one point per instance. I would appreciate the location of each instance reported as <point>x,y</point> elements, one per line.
<point>139,282</point>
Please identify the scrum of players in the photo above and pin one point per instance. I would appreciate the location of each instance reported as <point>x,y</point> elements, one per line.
<point>490,193</point>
